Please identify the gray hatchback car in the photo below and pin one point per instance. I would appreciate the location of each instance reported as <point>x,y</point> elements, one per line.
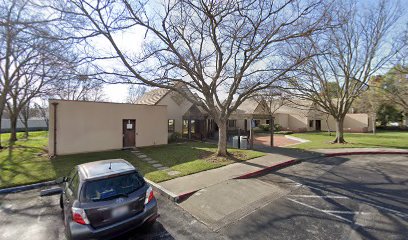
<point>103,199</point>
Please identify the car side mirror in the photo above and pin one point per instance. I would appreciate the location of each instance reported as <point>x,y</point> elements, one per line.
<point>60,180</point>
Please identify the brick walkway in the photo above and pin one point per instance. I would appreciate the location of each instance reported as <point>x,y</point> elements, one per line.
<point>279,140</point>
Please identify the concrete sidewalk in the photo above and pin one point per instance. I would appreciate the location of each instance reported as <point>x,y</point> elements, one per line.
<point>197,181</point>
<point>276,157</point>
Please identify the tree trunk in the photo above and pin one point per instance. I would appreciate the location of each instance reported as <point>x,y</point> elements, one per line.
<point>272,128</point>
<point>339,131</point>
<point>13,129</point>
<point>373,122</point>
<point>1,117</point>
<point>26,129</point>
<point>328,127</point>
<point>222,138</point>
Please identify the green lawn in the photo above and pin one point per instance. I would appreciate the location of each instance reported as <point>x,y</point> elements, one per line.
<point>386,139</point>
<point>27,161</point>
<point>192,157</point>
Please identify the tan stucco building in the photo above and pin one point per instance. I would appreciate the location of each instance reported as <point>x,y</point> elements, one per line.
<point>304,116</point>
<point>298,116</point>
<point>80,126</point>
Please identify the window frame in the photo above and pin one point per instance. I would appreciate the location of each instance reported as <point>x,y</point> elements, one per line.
<point>169,129</point>
<point>234,123</point>
<point>74,186</point>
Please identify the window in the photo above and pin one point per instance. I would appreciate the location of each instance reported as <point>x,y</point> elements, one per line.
<point>185,128</point>
<point>257,122</point>
<point>113,187</point>
<point>268,121</point>
<point>310,123</point>
<point>232,123</point>
<point>193,127</point>
<point>74,184</point>
<point>171,125</point>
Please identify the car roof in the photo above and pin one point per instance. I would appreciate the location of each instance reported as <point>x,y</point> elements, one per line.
<point>104,168</point>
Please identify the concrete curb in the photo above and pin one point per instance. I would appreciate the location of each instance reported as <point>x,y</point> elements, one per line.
<point>164,192</point>
<point>270,168</point>
<point>26,187</point>
<point>363,153</point>
<point>184,196</point>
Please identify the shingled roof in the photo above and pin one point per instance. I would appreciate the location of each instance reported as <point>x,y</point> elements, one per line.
<point>153,97</point>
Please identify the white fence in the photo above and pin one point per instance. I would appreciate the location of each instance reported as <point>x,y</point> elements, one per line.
<point>33,124</point>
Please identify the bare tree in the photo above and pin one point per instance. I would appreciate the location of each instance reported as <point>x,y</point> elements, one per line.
<point>272,100</point>
<point>32,55</point>
<point>134,93</point>
<point>77,86</point>
<point>349,55</point>
<point>225,51</point>
<point>25,114</point>
<point>41,108</point>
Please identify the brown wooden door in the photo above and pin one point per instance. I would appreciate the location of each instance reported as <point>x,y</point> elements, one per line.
<point>129,133</point>
<point>318,125</point>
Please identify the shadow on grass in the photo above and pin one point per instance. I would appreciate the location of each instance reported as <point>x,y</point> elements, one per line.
<point>22,165</point>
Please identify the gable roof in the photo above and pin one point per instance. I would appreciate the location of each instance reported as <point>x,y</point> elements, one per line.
<point>295,106</point>
<point>153,97</point>
<point>247,106</point>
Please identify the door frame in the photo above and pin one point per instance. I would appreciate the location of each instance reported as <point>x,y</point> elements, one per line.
<point>124,122</point>
<point>318,127</point>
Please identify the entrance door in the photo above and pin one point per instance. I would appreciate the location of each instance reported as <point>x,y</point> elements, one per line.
<point>129,133</point>
<point>318,125</point>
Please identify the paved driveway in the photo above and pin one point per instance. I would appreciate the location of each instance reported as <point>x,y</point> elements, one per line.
<point>278,140</point>
<point>26,216</point>
<point>353,197</point>
<point>356,197</point>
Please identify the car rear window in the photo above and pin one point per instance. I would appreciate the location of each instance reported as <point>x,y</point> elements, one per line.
<point>114,187</point>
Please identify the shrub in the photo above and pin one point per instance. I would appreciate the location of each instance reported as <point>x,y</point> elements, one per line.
<point>284,132</point>
<point>264,127</point>
<point>175,137</point>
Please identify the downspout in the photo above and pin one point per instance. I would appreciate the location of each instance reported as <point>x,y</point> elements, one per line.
<point>55,104</point>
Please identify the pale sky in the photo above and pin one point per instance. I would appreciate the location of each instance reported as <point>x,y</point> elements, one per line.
<point>133,41</point>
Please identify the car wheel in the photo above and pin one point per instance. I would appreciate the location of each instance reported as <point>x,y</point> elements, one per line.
<point>61,202</point>
<point>149,224</point>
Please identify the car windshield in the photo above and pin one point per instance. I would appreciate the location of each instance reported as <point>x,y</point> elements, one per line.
<point>114,187</point>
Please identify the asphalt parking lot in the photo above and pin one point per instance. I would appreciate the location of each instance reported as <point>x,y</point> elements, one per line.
<point>353,197</point>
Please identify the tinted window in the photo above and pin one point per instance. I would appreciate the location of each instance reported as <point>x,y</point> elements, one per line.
<point>114,187</point>
<point>72,174</point>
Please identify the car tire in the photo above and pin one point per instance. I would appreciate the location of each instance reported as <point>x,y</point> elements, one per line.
<point>61,202</point>
<point>149,224</point>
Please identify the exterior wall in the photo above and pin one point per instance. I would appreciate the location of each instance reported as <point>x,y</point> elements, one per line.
<point>241,124</point>
<point>175,111</point>
<point>357,122</point>
<point>91,126</point>
<point>353,122</point>
<point>297,123</point>
<point>283,120</point>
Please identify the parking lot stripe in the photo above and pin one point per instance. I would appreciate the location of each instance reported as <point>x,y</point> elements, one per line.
<point>346,212</point>
<point>319,196</point>
<point>320,210</point>
<point>401,214</point>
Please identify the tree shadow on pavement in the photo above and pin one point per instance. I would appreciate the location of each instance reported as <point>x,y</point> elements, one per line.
<point>374,184</point>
